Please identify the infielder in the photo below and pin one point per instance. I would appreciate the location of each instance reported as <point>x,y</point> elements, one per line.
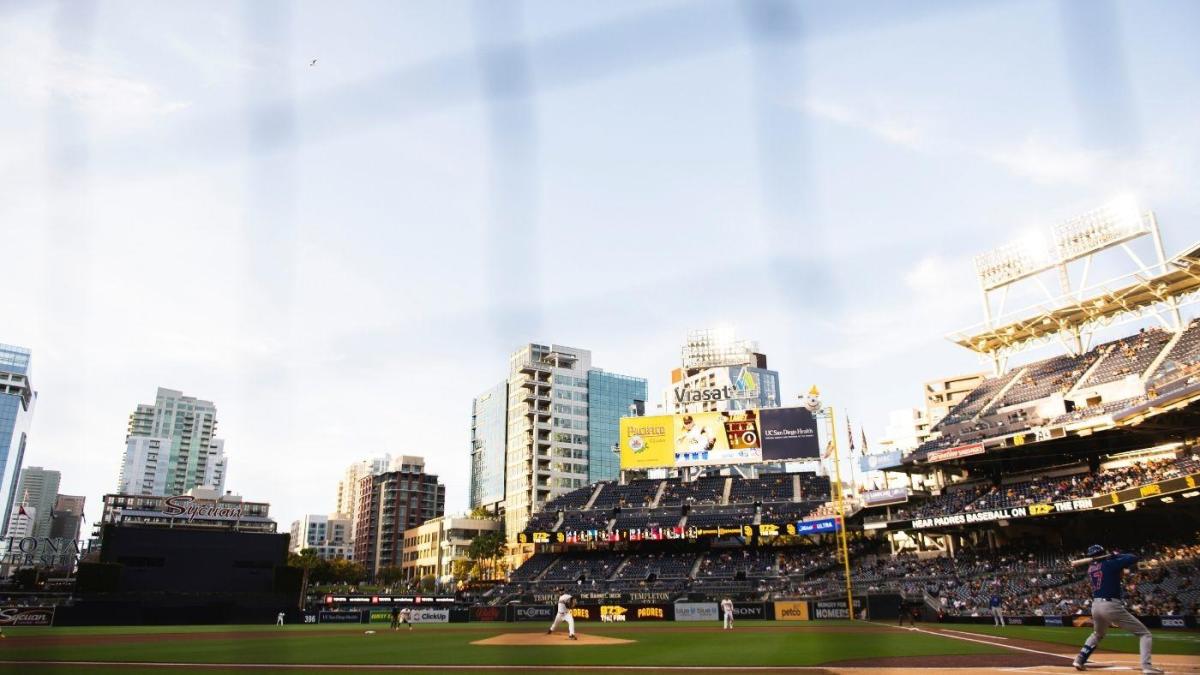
<point>997,610</point>
<point>727,612</point>
<point>565,603</point>
<point>406,617</point>
<point>279,619</point>
<point>1105,573</point>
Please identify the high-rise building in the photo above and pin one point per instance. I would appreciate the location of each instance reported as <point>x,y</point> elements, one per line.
<point>547,447</point>
<point>432,548</point>
<point>67,519</point>
<point>347,487</point>
<point>172,447</point>
<point>489,428</point>
<point>943,394</point>
<point>17,399</point>
<point>38,489</point>
<point>329,536</point>
<point>390,503</point>
<point>721,373</point>
<point>610,397</point>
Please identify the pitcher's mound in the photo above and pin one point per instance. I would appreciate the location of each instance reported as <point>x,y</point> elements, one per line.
<point>543,640</point>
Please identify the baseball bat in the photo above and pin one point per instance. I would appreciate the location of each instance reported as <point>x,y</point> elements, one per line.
<point>1080,562</point>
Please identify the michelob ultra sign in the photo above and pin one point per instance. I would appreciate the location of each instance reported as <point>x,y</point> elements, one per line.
<point>715,438</point>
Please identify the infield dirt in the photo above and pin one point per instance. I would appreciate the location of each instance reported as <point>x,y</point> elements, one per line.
<point>553,640</point>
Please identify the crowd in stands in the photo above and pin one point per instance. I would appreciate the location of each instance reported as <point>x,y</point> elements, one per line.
<point>1039,489</point>
<point>975,418</point>
<point>709,501</point>
<point>1030,579</point>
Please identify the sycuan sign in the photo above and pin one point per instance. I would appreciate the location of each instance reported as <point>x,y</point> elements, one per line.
<point>189,508</point>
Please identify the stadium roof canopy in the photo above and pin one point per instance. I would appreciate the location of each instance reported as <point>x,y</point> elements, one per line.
<point>1133,295</point>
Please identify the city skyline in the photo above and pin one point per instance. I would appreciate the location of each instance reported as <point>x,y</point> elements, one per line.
<point>340,254</point>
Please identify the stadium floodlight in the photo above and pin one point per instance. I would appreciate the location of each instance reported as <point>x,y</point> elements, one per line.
<point>1114,223</point>
<point>1027,256</point>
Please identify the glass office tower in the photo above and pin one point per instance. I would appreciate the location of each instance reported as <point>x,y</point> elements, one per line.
<point>609,399</point>
<point>17,399</point>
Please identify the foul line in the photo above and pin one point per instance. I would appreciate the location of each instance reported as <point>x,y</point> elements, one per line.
<point>960,632</point>
<point>982,642</point>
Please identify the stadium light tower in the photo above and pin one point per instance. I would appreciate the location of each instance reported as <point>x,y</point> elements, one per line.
<point>1077,309</point>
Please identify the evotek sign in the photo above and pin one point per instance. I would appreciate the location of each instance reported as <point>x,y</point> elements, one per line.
<point>189,508</point>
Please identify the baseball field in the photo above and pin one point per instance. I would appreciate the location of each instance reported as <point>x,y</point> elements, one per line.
<point>766,647</point>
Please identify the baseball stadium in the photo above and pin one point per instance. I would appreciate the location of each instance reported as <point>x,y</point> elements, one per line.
<point>735,539</point>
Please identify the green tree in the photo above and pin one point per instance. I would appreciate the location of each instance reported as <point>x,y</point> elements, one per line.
<point>306,560</point>
<point>486,548</point>
<point>428,583</point>
<point>389,575</point>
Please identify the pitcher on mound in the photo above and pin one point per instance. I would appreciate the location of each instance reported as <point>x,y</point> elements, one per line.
<point>565,603</point>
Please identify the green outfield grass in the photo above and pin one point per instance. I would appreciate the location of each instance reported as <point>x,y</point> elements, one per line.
<point>656,644</point>
<point>1165,641</point>
<point>760,643</point>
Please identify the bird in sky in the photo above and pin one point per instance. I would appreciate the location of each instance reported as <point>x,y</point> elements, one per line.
<point>312,63</point>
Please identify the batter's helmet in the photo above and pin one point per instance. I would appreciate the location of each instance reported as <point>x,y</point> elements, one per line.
<point>1095,550</point>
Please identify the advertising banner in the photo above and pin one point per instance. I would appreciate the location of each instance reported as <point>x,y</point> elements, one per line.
<point>26,616</point>
<point>487,613</point>
<point>532,612</point>
<point>879,461</point>
<point>955,452</point>
<point>820,526</point>
<point>696,611</point>
<point>430,615</point>
<point>1153,490</point>
<point>788,433</point>
<point>716,438</point>
<point>791,611</point>
<point>340,616</point>
<point>647,442</point>
<point>834,609</point>
<point>615,613</point>
<point>897,495</point>
<point>750,610</point>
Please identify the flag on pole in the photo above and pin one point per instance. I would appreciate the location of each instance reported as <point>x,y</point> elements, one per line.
<point>863,432</point>
<point>850,433</point>
<point>21,510</point>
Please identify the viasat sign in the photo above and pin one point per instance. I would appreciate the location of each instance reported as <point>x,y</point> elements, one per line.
<point>713,438</point>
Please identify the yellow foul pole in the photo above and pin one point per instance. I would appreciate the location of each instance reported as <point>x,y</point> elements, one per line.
<point>840,500</point>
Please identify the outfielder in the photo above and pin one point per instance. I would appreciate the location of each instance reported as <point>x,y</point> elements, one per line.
<point>279,619</point>
<point>727,613</point>
<point>1105,573</point>
<point>997,609</point>
<point>565,603</point>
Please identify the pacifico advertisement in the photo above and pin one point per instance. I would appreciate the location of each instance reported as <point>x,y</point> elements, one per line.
<point>715,438</point>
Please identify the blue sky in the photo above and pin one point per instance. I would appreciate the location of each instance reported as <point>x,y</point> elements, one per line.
<point>342,255</point>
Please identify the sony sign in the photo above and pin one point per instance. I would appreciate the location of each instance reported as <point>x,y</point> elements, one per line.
<point>187,507</point>
<point>700,395</point>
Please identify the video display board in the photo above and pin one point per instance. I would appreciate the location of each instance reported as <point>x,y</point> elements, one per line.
<point>714,438</point>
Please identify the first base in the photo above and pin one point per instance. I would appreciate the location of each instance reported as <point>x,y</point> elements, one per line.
<point>553,640</point>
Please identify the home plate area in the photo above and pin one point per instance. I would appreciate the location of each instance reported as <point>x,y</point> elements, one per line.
<point>552,640</point>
